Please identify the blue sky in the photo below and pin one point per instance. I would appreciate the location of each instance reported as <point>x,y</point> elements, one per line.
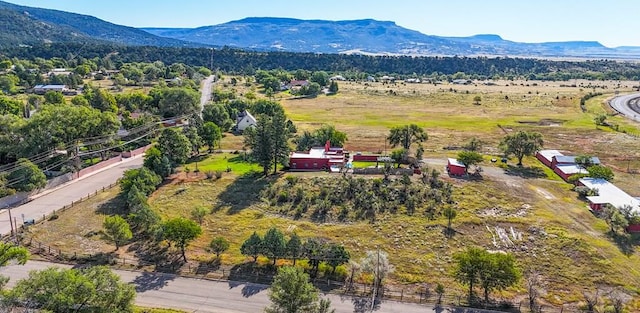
<point>611,22</point>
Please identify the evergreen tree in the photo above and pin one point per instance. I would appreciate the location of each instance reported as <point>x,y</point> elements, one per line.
<point>252,246</point>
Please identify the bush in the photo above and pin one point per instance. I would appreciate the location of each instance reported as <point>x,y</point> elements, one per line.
<point>209,174</point>
<point>218,174</point>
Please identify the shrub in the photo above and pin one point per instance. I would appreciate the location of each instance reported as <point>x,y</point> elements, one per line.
<point>218,174</point>
<point>209,174</point>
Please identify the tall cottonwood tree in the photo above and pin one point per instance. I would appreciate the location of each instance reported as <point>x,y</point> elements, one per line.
<point>406,135</point>
<point>521,144</point>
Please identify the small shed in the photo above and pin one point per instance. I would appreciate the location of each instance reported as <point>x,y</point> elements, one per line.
<point>456,168</point>
<point>546,156</point>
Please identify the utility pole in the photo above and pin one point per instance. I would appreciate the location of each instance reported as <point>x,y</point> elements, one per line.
<point>211,68</point>
<point>10,220</point>
<point>375,280</point>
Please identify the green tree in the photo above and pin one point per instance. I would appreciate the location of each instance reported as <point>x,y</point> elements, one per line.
<point>294,248</point>
<point>468,265</point>
<point>156,162</point>
<point>584,160</point>
<point>319,137</point>
<point>614,218</point>
<point>143,178</point>
<point>54,97</point>
<point>10,106</point>
<point>218,114</point>
<point>600,120</point>
<point>521,144</point>
<point>476,100</point>
<point>191,132</point>
<point>400,156</point>
<point>181,231</point>
<point>493,271</point>
<point>252,246</point>
<point>260,140</point>
<point>450,213</point>
<point>469,158</point>
<point>174,145</point>
<point>198,214</point>
<point>600,171</point>
<point>94,289</point>
<point>320,77</point>
<point>9,252</point>
<point>211,135</point>
<point>274,245</point>
<point>178,101</point>
<point>26,177</point>
<point>218,245</point>
<point>333,87</point>
<point>280,132</point>
<point>101,99</point>
<point>440,292</point>
<point>498,272</point>
<point>315,250</point>
<point>146,222</point>
<point>271,84</point>
<point>117,229</point>
<point>336,256</point>
<point>474,144</point>
<point>406,135</point>
<point>291,292</point>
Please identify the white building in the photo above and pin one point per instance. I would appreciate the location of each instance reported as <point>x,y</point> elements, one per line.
<point>245,120</point>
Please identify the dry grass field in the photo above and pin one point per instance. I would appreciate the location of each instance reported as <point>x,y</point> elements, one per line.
<point>550,229</point>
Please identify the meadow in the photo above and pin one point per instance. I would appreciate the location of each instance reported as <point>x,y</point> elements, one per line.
<point>548,228</point>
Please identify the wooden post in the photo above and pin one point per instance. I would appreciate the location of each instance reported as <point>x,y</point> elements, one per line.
<point>401,294</point>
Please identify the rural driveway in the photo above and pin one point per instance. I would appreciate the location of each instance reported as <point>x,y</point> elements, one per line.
<point>199,295</point>
<point>622,105</point>
<point>47,202</point>
<point>207,85</point>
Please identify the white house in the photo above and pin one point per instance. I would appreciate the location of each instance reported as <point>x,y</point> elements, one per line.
<point>42,89</point>
<point>245,120</point>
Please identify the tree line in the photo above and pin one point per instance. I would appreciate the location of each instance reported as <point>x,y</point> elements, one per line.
<point>243,61</point>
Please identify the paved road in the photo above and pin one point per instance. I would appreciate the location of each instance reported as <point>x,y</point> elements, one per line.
<point>197,295</point>
<point>206,90</point>
<point>622,105</point>
<point>56,198</point>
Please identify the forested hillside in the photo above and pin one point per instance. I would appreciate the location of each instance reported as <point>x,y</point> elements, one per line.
<point>240,61</point>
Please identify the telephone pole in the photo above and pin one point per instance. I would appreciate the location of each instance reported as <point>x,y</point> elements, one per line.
<point>375,280</point>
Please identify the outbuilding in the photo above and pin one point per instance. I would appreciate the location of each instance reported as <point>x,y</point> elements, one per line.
<point>546,156</point>
<point>567,170</point>
<point>456,168</point>
<point>317,159</point>
<point>610,194</point>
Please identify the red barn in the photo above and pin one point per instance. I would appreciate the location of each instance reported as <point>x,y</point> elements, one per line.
<point>546,156</point>
<point>456,168</point>
<point>567,170</point>
<point>319,158</point>
<point>609,193</point>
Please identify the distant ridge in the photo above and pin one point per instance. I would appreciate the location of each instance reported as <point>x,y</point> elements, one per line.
<point>368,36</point>
<point>28,25</point>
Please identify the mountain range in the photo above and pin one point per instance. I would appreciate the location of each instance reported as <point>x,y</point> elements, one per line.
<point>23,25</point>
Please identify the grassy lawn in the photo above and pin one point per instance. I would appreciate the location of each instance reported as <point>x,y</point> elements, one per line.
<point>224,162</point>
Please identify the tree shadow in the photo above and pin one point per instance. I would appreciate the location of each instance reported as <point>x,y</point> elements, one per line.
<point>627,243</point>
<point>449,232</point>
<point>363,304</point>
<point>254,279</point>
<point>153,253</point>
<point>152,281</point>
<point>525,172</point>
<point>242,193</point>
<point>205,268</point>
<point>113,206</point>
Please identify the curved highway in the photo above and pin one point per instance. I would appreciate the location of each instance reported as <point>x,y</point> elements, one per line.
<point>627,105</point>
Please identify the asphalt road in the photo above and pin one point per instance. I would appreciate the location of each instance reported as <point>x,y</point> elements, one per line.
<point>54,199</point>
<point>621,104</point>
<point>198,295</point>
